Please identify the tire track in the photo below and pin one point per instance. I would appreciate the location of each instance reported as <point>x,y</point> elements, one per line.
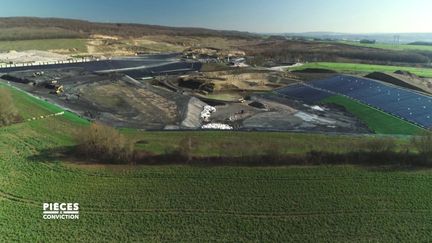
<point>257,178</point>
<point>173,211</point>
<point>18,199</point>
<point>259,214</point>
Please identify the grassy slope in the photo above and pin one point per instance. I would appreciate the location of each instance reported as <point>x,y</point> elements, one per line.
<point>30,107</point>
<point>182,203</point>
<point>44,45</point>
<point>376,120</point>
<point>364,68</point>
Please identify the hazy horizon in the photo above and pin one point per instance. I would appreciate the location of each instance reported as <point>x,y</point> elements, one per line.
<point>272,16</point>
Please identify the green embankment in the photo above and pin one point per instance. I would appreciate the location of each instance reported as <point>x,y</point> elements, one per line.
<point>378,121</point>
<point>200,204</point>
<point>77,45</point>
<point>30,107</point>
<point>363,68</point>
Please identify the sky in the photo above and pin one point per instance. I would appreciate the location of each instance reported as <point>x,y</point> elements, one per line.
<point>263,16</point>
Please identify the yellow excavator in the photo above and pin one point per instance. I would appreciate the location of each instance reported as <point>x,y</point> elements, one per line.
<point>59,89</point>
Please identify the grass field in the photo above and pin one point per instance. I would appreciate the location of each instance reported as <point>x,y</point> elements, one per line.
<point>251,143</point>
<point>386,46</point>
<point>364,68</point>
<point>201,204</point>
<point>49,44</point>
<point>377,121</point>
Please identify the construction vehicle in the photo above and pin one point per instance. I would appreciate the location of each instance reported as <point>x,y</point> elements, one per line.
<point>59,90</point>
<point>55,87</point>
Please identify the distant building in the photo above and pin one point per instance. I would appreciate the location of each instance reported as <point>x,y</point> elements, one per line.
<point>236,62</point>
<point>366,41</point>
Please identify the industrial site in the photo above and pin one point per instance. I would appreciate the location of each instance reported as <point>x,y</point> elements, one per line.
<point>174,91</point>
<point>133,132</point>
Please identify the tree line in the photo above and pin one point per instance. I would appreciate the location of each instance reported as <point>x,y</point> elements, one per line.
<point>104,144</point>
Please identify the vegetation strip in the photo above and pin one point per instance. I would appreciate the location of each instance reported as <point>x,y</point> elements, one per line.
<point>376,120</point>
<point>363,68</point>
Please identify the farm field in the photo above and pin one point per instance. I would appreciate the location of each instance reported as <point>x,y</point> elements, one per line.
<point>401,47</point>
<point>376,120</point>
<point>77,45</point>
<point>199,203</point>
<point>172,203</point>
<point>363,68</point>
<point>227,204</point>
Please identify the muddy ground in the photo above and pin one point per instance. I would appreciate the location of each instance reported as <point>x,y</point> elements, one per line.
<point>121,101</point>
<point>269,112</point>
<point>264,110</point>
<point>115,99</point>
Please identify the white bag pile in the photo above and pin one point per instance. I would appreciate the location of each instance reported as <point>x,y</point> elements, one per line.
<point>217,126</point>
<point>206,113</point>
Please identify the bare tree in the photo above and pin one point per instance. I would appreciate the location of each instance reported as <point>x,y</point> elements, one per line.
<point>423,144</point>
<point>103,142</point>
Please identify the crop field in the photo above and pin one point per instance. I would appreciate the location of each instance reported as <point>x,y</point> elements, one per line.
<point>173,203</point>
<point>378,121</point>
<point>198,203</point>
<point>363,68</point>
<point>401,47</point>
<point>77,45</point>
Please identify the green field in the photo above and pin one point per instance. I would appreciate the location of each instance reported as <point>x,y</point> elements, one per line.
<point>197,203</point>
<point>44,45</point>
<point>401,47</point>
<point>376,120</point>
<point>364,68</point>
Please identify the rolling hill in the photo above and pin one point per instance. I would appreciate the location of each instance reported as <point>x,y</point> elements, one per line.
<point>19,28</point>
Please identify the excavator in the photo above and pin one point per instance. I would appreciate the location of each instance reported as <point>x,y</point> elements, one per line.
<point>56,88</point>
<point>59,89</point>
